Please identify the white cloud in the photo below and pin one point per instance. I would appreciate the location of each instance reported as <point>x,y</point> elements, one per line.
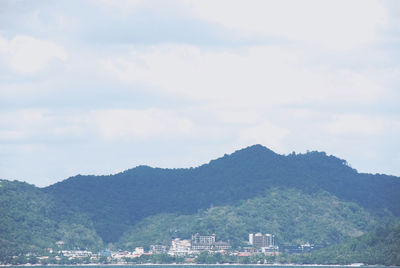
<point>123,8</point>
<point>11,135</point>
<point>28,55</point>
<point>249,76</point>
<point>361,125</point>
<point>128,125</point>
<point>133,125</point>
<point>25,124</point>
<point>230,115</point>
<point>265,133</point>
<point>206,98</point>
<point>334,24</point>
<point>121,4</point>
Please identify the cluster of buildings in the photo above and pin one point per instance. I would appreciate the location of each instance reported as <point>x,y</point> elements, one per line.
<point>186,249</point>
<point>258,243</point>
<point>307,247</point>
<point>261,243</point>
<point>181,247</point>
<point>75,253</point>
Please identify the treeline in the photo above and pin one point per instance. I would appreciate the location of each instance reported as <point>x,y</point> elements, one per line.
<point>302,198</point>
<point>293,216</point>
<point>50,259</point>
<point>114,203</point>
<point>381,246</point>
<point>32,222</point>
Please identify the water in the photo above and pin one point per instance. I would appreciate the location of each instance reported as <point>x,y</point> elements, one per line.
<point>196,265</point>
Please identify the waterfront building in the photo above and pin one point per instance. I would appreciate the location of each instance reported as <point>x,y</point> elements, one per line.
<point>250,249</point>
<point>75,253</point>
<point>259,240</point>
<point>158,249</point>
<point>207,242</point>
<point>220,245</point>
<point>202,242</point>
<point>179,247</point>
<point>203,239</point>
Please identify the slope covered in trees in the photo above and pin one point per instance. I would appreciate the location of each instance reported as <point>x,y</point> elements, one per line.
<point>116,202</point>
<point>31,221</point>
<point>293,216</point>
<point>380,246</point>
<point>300,198</point>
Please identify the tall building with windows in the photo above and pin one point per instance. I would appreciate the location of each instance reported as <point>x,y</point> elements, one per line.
<point>203,239</point>
<point>179,247</point>
<point>158,249</point>
<point>207,242</point>
<point>202,242</point>
<point>259,240</point>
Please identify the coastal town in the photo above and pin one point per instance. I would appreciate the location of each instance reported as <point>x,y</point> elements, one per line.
<point>198,249</point>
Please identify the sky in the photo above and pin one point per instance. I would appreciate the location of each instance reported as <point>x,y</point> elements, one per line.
<point>101,86</point>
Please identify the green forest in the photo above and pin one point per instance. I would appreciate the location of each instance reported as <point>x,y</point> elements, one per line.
<point>300,198</point>
<point>294,217</point>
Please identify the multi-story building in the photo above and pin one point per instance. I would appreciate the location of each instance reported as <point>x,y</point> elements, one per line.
<point>203,242</point>
<point>203,239</point>
<point>158,249</point>
<point>259,240</point>
<point>179,247</point>
<point>76,253</point>
<point>220,245</point>
<point>139,251</point>
<point>207,242</point>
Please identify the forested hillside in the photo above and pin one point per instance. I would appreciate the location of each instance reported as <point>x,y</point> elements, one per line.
<point>31,221</point>
<point>293,216</point>
<point>300,198</point>
<point>381,245</point>
<point>116,202</point>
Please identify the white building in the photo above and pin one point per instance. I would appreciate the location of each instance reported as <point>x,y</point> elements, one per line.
<point>259,240</point>
<point>139,251</point>
<point>76,253</point>
<point>158,249</point>
<point>179,247</point>
<point>251,239</point>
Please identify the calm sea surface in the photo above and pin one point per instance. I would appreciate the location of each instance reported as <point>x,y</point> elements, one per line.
<point>194,266</point>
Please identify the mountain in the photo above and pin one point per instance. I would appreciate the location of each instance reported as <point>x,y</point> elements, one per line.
<point>143,191</point>
<point>300,198</point>
<point>378,246</point>
<point>31,221</point>
<point>293,216</point>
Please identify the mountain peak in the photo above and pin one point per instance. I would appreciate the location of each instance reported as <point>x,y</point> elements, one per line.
<point>254,155</point>
<point>256,148</point>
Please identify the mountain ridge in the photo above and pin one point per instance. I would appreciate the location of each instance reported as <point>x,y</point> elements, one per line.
<point>224,181</point>
<point>92,211</point>
<point>256,148</point>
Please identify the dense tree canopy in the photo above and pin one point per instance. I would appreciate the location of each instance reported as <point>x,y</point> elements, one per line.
<point>300,198</point>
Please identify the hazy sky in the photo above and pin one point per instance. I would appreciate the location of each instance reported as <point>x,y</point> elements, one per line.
<point>97,87</point>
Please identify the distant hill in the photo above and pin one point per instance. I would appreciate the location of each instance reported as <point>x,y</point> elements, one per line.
<point>31,221</point>
<point>308,197</point>
<point>379,246</point>
<point>144,191</point>
<point>293,216</point>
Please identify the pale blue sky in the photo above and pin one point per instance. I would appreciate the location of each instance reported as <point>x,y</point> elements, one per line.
<point>97,87</point>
